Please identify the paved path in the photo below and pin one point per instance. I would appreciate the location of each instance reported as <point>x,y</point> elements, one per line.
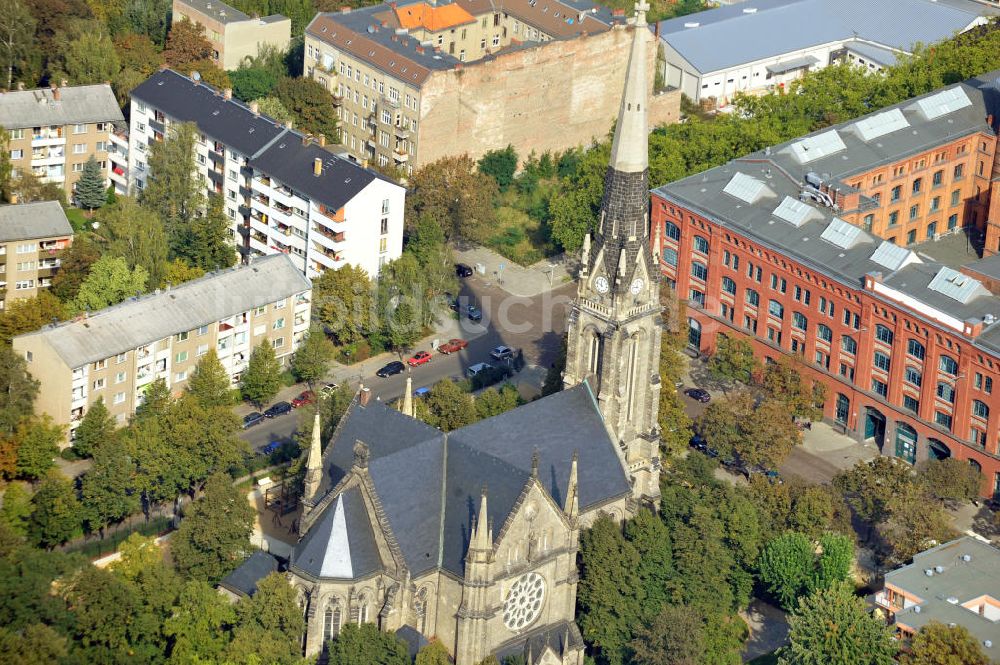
<point>768,629</point>
<point>546,275</point>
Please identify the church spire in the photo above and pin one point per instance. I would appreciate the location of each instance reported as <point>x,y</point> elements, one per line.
<point>408,397</point>
<point>482,536</point>
<point>314,463</point>
<point>572,507</point>
<point>628,152</point>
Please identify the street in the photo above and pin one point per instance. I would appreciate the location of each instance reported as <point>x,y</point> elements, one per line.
<point>534,326</point>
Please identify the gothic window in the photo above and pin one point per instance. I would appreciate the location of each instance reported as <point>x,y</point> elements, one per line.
<point>630,377</point>
<point>594,354</point>
<point>363,605</point>
<point>331,621</point>
<point>523,604</point>
<point>420,609</point>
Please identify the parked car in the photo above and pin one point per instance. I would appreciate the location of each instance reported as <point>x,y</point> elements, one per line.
<point>698,395</point>
<point>328,388</point>
<point>502,352</point>
<point>419,358</point>
<point>270,448</point>
<point>422,392</point>
<point>278,409</point>
<point>251,419</point>
<point>477,368</point>
<point>463,270</point>
<point>698,443</point>
<point>452,346</point>
<point>472,313</point>
<point>305,397</point>
<point>395,367</point>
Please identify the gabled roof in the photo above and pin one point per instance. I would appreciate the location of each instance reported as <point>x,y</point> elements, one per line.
<point>243,581</point>
<point>429,483</point>
<point>341,545</point>
<point>77,105</point>
<point>432,18</point>
<point>25,221</point>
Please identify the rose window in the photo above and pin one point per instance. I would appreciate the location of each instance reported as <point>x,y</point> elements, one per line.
<point>524,601</point>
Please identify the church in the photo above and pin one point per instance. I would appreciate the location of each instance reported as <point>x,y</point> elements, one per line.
<point>471,536</point>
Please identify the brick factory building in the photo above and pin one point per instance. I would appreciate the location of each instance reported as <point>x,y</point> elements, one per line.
<point>807,248</point>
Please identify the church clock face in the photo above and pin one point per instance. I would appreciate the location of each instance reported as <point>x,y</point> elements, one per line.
<point>636,287</point>
<point>601,284</point>
<point>524,602</point>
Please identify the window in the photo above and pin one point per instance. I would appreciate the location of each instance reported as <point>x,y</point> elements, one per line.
<point>931,230</point>
<point>119,398</point>
<point>776,309</point>
<point>952,222</point>
<point>699,270</point>
<point>799,321</point>
<point>79,129</point>
<point>980,410</point>
<point>959,171</point>
<point>16,134</point>
<point>916,185</point>
<point>181,376</point>
<point>180,357</point>
<point>848,345</point>
<point>120,358</point>
<point>729,286</point>
<point>843,409</point>
<point>943,419</point>
<point>912,376</point>
<point>946,392</point>
<point>882,361</point>
<point>670,256</point>
<point>79,148</point>
<point>911,403</point>
<point>915,349</point>
<point>948,365</point>
<point>938,178</point>
<point>752,298</point>
<point>384,228</point>
<point>893,218</point>
<point>914,211</point>
<point>77,168</point>
<point>779,283</point>
<point>27,248</point>
<point>894,196</point>
<point>935,204</point>
<point>279,304</point>
<point>824,333</point>
<point>98,384</point>
<point>180,337</point>
<point>278,343</point>
<point>278,324</point>
<point>883,334</point>
<point>202,349</point>
<point>101,364</point>
<point>16,154</point>
<point>880,387</point>
<point>696,298</point>
<point>700,245</point>
<point>120,377</point>
<point>672,231</point>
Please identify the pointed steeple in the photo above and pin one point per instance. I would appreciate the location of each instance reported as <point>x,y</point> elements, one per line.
<point>572,507</point>
<point>628,152</point>
<point>408,397</point>
<point>482,536</point>
<point>314,463</point>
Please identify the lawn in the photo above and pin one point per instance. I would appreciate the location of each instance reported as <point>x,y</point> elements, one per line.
<point>522,232</point>
<point>77,219</point>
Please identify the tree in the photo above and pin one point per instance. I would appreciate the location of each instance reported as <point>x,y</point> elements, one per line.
<point>201,440</point>
<point>786,381</point>
<point>90,189</point>
<point>109,283</point>
<point>834,563</point>
<point>108,488</point>
<point>155,401</point>
<point>757,433</point>
<point>174,190</point>
<point>912,525</point>
<point>674,637</point>
<point>649,536</point>
<point>262,379</point>
<point>310,104</point>
<point>17,390</point>
<point>36,644</point>
<point>449,407</point>
<point>76,261</point>
<point>206,244</point>
<point>210,384</point>
<point>870,487</point>
<point>252,83</point>
<point>139,553</point>
<point>186,43</point>
<point>38,442</point>
<point>28,314</point>
<point>136,234</point>
<point>29,188</point>
<point>938,644</point>
<point>137,52</point>
<point>16,510</point>
<point>786,565</point>
<point>572,218</point>
<point>434,653</point>
<point>733,360</point>
<point>365,643</point>
<point>312,359</point>
<point>272,106</point>
<point>17,30</point>
<point>456,195</point>
<point>214,535</point>
<point>179,272</point>
<point>199,626</point>
<point>91,58</point>
<point>96,427</point>
<point>949,480</point>
<point>833,627</point>
<point>492,402</point>
<point>500,165</point>
<point>56,514</point>
<point>149,17</point>
<point>343,302</point>
<point>270,625</point>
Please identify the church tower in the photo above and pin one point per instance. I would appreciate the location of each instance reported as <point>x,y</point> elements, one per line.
<point>614,323</point>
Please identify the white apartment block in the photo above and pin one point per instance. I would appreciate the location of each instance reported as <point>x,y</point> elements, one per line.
<point>284,191</point>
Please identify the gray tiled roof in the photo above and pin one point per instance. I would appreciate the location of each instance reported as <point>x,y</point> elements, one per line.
<point>77,105</point>
<point>200,302</point>
<point>780,170</point>
<point>429,483</point>
<point>341,544</point>
<point>243,580</point>
<point>729,36</point>
<point>220,11</point>
<point>23,221</point>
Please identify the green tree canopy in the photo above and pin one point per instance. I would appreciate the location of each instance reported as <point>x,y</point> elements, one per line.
<point>786,565</point>
<point>270,625</point>
<point>312,359</point>
<point>210,384</point>
<point>91,58</point>
<point>433,653</point>
<point>367,644</point>
<point>501,165</point>
<point>343,303</point>
<point>29,314</point>
<point>310,104</point>
<point>108,488</point>
<point>675,636</point>
<point>57,514</point>
<point>205,241</point>
<point>174,191</point>
<point>96,427</point>
<point>938,644</point>
<point>200,624</point>
<point>272,106</point>
<point>456,195</point>
<point>950,479</point>
<point>135,234</point>
<point>733,360</point>
<point>449,407</point>
<point>214,536</point>
<point>91,192</point>
<point>251,83</point>
<point>38,442</point>
<point>110,282</point>
<point>262,379</point>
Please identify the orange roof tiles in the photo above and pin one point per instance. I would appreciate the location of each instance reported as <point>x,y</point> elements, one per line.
<point>432,19</point>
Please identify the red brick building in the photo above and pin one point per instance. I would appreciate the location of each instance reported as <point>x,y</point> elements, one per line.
<point>802,248</point>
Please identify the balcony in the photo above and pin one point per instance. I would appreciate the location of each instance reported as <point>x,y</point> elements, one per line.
<point>53,245</point>
<point>335,236</point>
<point>332,215</point>
<point>401,156</point>
<point>390,103</point>
<point>157,126</point>
<point>401,132</point>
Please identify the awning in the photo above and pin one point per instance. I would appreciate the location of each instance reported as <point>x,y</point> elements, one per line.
<point>793,64</point>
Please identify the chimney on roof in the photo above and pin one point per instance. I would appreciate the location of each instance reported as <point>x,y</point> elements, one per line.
<point>317,167</point>
<point>288,124</point>
<point>255,108</point>
<point>321,139</point>
<point>305,139</point>
<point>364,396</point>
<point>55,93</point>
<point>345,10</point>
<point>227,93</point>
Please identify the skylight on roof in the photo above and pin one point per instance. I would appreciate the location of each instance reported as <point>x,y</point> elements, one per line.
<point>892,256</point>
<point>880,124</point>
<point>841,234</point>
<point>746,188</point>
<point>943,103</point>
<point>817,146</point>
<point>795,212</point>
<point>956,285</point>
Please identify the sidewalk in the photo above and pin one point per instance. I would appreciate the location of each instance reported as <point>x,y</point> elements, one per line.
<point>516,280</point>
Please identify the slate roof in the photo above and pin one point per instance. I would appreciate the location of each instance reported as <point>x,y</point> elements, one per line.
<point>152,317</point>
<point>783,174</point>
<point>341,545</point>
<point>560,637</point>
<point>243,580</point>
<point>45,219</point>
<point>77,105</point>
<point>778,27</point>
<point>429,483</point>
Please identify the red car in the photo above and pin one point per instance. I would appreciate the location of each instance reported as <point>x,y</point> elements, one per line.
<point>419,358</point>
<point>452,346</point>
<point>305,397</point>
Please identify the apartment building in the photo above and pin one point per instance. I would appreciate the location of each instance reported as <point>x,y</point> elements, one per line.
<point>956,583</point>
<point>116,353</point>
<point>235,37</point>
<point>32,236</point>
<point>409,77</point>
<point>284,191</point>
<point>54,131</point>
<point>792,248</point>
<point>118,158</point>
